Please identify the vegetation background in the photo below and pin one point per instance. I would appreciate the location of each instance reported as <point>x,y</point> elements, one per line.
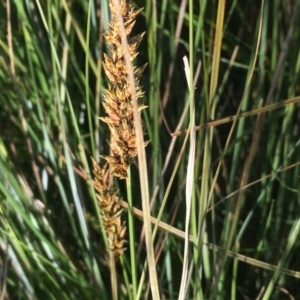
<point>244,188</point>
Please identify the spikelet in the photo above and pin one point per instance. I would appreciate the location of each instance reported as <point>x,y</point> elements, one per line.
<point>110,208</point>
<point>117,99</point>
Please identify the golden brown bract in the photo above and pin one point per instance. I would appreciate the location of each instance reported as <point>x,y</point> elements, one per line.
<point>117,98</point>
<point>110,208</point>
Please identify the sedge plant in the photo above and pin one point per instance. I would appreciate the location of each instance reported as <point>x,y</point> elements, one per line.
<point>209,209</point>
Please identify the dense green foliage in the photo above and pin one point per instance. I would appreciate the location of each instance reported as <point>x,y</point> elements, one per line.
<point>245,192</point>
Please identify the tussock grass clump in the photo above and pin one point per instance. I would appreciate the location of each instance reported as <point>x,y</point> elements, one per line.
<point>118,96</point>
<point>110,208</point>
<point>232,189</point>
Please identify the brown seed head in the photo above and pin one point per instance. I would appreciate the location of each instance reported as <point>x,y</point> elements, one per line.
<point>110,208</point>
<point>118,99</point>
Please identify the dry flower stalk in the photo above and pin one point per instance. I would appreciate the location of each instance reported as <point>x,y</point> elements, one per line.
<point>118,99</point>
<point>110,208</point>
